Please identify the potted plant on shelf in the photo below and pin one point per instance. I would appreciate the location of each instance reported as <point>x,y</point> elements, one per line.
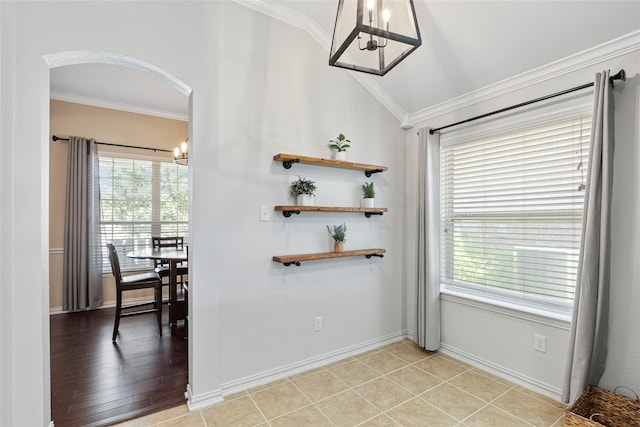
<point>303,191</point>
<point>340,145</point>
<point>368,194</point>
<point>339,235</point>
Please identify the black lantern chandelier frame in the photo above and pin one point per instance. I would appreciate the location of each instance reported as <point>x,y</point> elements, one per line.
<point>376,29</point>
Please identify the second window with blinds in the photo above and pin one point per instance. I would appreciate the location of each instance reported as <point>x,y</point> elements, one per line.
<point>511,197</point>
<point>140,198</point>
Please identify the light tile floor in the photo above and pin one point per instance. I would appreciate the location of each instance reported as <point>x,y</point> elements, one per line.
<point>397,385</point>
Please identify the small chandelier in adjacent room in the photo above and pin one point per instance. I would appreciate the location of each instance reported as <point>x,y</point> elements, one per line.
<point>373,36</point>
<point>181,154</point>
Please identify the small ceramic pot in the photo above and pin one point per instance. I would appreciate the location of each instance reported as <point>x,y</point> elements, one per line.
<point>304,200</point>
<point>340,155</point>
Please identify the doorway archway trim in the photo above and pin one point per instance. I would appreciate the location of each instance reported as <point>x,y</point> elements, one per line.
<point>76,57</point>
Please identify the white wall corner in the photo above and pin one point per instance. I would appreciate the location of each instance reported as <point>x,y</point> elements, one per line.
<point>195,403</point>
<point>502,372</point>
<point>381,95</point>
<point>406,122</point>
<point>291,17</point>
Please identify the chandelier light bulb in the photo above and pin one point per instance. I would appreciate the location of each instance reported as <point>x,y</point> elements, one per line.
<point>180,154</point>
<point>386,15</point>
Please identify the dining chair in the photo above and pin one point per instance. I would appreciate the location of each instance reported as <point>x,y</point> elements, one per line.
<point>162,266</point>
<point>130,283</point>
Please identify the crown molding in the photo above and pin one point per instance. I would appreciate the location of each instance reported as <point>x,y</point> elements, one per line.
<point>589,57</point>
<point>304,22</point>
<point>95,102</point>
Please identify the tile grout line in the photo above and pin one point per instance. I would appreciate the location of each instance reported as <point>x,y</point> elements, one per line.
<point>510,387</point>
<point>513,387</point>
<point>413,395</point>
<point>259,410</point>
<point>312,403</point>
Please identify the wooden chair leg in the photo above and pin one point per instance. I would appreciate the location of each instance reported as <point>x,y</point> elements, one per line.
<point>117,320</point>
<point>159,306</point>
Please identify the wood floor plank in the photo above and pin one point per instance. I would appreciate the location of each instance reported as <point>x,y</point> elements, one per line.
<point>95,382</point>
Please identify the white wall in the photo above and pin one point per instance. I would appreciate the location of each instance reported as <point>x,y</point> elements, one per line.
<point>502,341</point>
<point>270,103</point>
<point>256,92</point>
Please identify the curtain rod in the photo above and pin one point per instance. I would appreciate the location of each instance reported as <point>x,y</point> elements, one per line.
<point>621,75</point>
<point>57,138</point>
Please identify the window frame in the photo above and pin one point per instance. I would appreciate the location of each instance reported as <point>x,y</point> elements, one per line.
<point>155,223</point>
<point>495,299</point>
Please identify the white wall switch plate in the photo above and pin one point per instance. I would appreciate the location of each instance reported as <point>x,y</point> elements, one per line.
<point>265,213</point>
<point>540,343</point>
<point>317,324</point>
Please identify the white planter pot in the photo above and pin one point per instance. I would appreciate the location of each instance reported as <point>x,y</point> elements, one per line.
<point>304,200</point>
<point>340,155</point>
<point>369,203</point>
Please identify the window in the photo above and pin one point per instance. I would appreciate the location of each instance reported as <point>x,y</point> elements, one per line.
<point>140,198</point>
<point>511,212</point>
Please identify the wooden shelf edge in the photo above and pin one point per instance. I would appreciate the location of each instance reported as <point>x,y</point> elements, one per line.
<point>296,259</point>
<point>294,158</point>
<point>328,209</point>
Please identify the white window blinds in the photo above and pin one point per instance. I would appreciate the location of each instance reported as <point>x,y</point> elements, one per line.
<point>140,199</point>
<point>511,211</point>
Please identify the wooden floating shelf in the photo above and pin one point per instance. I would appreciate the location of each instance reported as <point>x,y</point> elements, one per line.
<point>288,210</point>
<point>289,159</point>
<point>296,259</point>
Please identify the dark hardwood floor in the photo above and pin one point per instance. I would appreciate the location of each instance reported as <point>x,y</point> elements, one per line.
<point>95,382</point>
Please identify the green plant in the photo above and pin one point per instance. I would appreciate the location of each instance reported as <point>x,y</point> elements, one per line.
<point>302,186</point>
<point>339,232</point>
<point>368,191</point>
<point>340,143</point>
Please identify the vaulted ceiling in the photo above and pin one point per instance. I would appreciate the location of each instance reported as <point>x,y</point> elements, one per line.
<point>466,46</point>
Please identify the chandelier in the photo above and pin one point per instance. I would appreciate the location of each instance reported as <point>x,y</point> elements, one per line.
<point>373,36</point>
<point>181,154</point>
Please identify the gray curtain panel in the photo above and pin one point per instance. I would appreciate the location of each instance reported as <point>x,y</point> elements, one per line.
<point>589,327</point>
<point>82,269</point>
<point>428,250</point>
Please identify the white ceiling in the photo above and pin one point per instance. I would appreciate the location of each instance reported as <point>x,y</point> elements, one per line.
<point>466,45</point>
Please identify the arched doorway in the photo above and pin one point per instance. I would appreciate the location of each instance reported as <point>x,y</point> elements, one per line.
<point>79,59</point>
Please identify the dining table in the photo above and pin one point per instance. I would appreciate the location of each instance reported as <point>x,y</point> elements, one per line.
<point>173,257</point>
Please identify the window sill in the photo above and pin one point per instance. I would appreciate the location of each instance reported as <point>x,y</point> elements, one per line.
<point>520,310</point>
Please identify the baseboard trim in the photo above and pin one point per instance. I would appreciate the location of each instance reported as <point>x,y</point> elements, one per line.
<point>195,403</point>
<point>515,377</point>
<point>266,377</point>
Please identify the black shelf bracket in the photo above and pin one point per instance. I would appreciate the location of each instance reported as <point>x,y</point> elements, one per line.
<point>368,214</point>
<point>287,164</point>
<point>368,173</point>
<point>287,214</point>
<point>378,255</point>
<point>296,263</point>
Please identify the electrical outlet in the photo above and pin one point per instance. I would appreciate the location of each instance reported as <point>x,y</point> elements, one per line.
<point>317,324</point>
<point>265,214</point>
<point>540,343</point>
